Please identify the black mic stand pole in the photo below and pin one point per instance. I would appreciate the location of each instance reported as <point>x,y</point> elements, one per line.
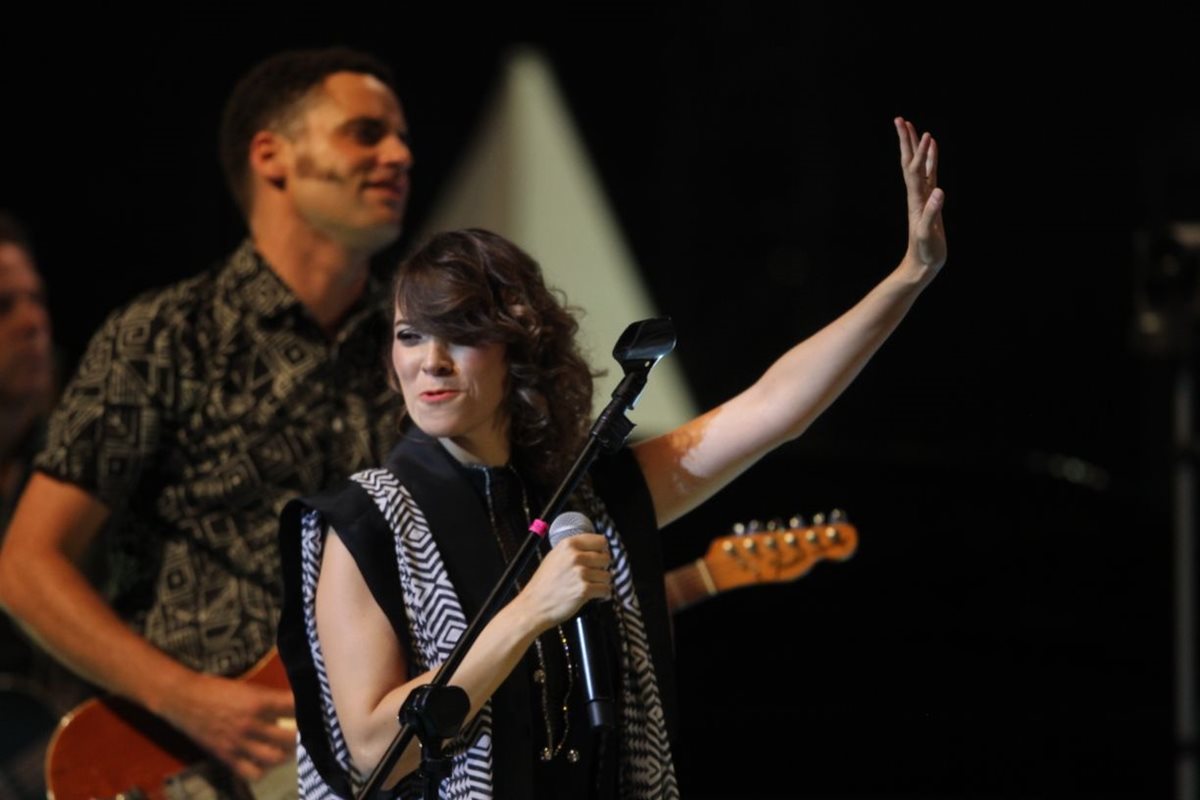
<point>436,711</point>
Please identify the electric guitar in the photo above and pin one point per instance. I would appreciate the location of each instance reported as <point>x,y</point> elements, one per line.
<point>755,554</point>
<point>112,749</point>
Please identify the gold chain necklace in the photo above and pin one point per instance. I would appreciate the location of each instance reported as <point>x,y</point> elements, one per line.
<point>540,677</point>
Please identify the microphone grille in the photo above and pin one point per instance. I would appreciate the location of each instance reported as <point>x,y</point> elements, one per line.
<point>567,524</point>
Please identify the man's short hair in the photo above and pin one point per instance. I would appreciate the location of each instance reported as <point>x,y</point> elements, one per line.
<point>270,93</point>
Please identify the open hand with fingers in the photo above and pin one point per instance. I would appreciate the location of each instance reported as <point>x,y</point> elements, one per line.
<point>926,235</point>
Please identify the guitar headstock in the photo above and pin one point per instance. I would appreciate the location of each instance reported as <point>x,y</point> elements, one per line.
<point>778,551</point>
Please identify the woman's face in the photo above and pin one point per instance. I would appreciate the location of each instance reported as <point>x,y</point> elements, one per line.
<point>454,392</point>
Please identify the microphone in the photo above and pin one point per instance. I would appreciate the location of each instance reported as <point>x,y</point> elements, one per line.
<point>597,682</point>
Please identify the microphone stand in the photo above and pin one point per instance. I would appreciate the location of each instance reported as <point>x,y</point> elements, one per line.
<point>435,712</point>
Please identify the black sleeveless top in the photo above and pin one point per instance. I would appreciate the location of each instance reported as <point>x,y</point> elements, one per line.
<point>459,504</point>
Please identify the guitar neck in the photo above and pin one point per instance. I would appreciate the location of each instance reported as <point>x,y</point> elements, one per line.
<point>750,557</point>
<point>688,585</point>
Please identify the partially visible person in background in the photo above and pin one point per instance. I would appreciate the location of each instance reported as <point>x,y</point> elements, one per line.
<point>33,691</point>
<point>26,362</point>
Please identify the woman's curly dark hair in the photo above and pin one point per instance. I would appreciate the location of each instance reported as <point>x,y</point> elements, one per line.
<point>474,287</point>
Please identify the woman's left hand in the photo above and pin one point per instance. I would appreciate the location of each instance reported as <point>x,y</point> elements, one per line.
<point>918,161</point>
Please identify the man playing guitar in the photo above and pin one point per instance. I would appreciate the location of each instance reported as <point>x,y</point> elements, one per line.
<point>199,409</point>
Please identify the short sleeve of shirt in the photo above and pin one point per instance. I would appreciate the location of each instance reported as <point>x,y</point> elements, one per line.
<point>104,434</point>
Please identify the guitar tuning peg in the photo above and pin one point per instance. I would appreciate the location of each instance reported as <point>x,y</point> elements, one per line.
<point>837,515</point>
<point>832,534</point>
<point>818,519</point>
<point>739,529</point>
<point>796,521</point>
<point>774,524</point>
<point>754,527</point>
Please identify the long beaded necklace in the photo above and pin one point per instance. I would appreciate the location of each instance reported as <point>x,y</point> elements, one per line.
<point>540,676</point>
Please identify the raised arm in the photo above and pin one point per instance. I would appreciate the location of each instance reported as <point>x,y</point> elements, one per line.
<point>685,467</point>
<point>43,587</point>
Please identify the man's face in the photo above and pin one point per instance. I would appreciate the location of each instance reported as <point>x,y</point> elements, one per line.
<point>349,161</point>
<point>26,361</point>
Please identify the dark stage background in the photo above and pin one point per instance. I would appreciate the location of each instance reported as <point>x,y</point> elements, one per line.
<point>1004,630</point>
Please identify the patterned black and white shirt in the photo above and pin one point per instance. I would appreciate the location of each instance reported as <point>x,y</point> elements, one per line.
<point>197,412</point>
